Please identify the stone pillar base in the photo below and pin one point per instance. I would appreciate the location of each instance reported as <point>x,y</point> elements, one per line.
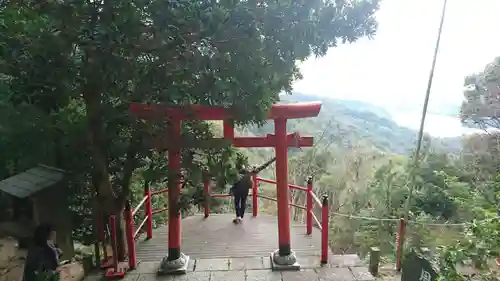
<point>282,263</point>
<point>174,267</point>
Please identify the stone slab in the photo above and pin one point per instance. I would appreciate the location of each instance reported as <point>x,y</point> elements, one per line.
<point>309,262</point>
<point>263,275</point>
<point>246,263</point>
<point>212,264</point>
<point>227,275</point>
<point>154,277</point>
<point>335,274</point>
<point>128,277</point>
<point>361,273</point>
<point>146,268</point>
<point>151,267</point>
<point>191,276</point>
<point>344,260</point>
<point>191,264</point>
<point>302,275</point>
<point>267,263</point>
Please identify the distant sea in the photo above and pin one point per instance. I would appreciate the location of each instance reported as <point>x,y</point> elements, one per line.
<point>435,125</point>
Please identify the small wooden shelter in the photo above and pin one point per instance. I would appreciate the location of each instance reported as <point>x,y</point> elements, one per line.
<point>38,195</point>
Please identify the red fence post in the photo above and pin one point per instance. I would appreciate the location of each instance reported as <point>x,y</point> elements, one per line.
<point>324,230</point>
<point>206,193</point>
<point>255,190</point>
<point>148,211</point>
<point>129,232</point>
<point>399,242</point>
<point>309,206</point>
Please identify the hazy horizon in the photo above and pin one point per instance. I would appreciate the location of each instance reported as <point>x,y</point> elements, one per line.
<point>392,69</point>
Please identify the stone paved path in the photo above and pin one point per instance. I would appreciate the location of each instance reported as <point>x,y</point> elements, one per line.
<point>341,268</point>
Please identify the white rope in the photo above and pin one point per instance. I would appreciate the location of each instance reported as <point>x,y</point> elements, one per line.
<point>397,219</point>
<point>363,218</point>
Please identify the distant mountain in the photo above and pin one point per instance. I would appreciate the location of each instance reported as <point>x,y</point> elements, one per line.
<point>349,104</point>
<point>365,107</point>
<point>345,123</point>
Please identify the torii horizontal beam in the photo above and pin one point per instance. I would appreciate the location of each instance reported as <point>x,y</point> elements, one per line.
<point>293,140</point>
<point>199,112</point>
<point>271,140</point>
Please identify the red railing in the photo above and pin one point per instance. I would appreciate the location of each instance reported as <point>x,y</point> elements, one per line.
<point>132,232</point>
<point>311,200</point>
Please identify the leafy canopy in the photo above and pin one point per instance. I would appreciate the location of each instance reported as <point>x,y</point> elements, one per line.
<point>73,68</point>
<point>482,97</point>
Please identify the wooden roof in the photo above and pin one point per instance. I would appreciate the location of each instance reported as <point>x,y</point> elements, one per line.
<point>32,181</point>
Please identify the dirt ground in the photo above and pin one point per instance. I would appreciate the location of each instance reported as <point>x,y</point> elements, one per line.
<point>12,263</point>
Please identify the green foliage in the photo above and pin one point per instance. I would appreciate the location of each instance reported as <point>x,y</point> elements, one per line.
<point>481,243</point>
<point>365,178</point>
<point>481,103</point>
<point>69,71</point>
<point>480,246</point>
<point>348,123</point>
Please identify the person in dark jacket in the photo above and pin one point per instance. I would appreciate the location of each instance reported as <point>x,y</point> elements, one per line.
<point>43,256</point>
<point>242,187</point>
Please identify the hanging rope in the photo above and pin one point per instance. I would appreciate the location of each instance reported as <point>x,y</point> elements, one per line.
<point>416,160</point>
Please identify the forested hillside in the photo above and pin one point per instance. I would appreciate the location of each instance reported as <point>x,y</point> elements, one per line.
<point>345,124</point>
<point>363,161</point>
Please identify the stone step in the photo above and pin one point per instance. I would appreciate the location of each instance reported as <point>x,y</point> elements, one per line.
<point>318,274</point>
<point>257,269</point>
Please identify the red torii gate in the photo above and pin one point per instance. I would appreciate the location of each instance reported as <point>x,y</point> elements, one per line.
<point>284,257</point>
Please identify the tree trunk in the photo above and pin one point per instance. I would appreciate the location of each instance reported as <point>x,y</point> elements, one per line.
<point>121,242</point>
<point>108,202</point>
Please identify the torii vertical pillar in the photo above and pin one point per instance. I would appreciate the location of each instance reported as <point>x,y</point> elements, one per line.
<point>283,258</point>
<point>175,262</point>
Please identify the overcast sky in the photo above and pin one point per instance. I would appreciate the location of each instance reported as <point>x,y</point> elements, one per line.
<point>393,68</point>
